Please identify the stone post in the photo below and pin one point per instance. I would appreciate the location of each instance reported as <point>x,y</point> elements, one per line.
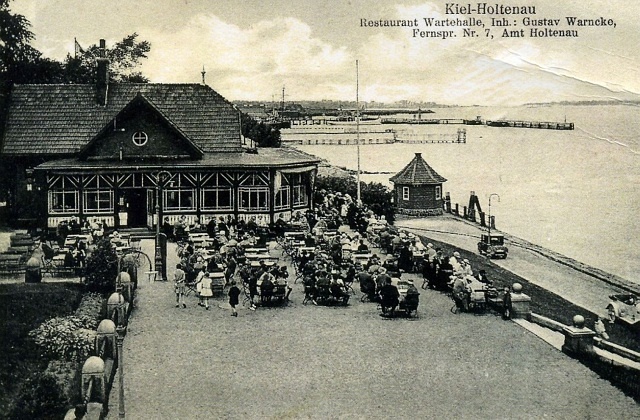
<point>93,370</point>
<point>578,339</point>
<point>117,308</point>
<point>517,304</point>
<point>106,339</point>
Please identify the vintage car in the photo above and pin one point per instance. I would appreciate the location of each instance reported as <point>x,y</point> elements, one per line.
<point>492,246</point>
<point>625,308</point>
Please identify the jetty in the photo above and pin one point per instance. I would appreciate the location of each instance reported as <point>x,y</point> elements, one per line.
<point>422,138</point>
<point>531,124</point>
<point>549,125</point>
<point>394,120</point>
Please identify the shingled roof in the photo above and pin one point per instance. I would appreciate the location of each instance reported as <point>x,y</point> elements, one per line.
<point>417,172</point>
<point>61,119</point>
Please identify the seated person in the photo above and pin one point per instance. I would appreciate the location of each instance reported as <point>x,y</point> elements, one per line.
<point>69,259</point>
<point>389,297</point>
<point>267,285</point>
<point>367,284</point>
<point>458,288</point>
<point>482,277</point>
<point>338,290</point>
<point>362,247</point>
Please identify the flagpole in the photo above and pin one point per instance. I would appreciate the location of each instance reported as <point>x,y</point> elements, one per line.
<point>358,131</point>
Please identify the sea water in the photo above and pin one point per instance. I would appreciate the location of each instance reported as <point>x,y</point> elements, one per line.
<point>575,192</point>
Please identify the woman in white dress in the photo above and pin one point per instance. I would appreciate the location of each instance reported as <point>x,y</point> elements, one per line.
<point>206,292</point>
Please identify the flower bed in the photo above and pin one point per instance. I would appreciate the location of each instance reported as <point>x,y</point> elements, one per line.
<point>24,307</point>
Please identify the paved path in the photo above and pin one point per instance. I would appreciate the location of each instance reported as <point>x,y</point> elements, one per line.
<point>319,362</point>
<point>576,287</point>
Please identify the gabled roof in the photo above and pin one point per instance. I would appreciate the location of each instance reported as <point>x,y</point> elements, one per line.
<point>417,172</point>
<point>61,119</point>
<point>194,150</point>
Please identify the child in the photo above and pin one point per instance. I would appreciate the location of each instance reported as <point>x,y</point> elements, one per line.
<point>234,293</point>
<point>206,290</point>
<point>178,281</point>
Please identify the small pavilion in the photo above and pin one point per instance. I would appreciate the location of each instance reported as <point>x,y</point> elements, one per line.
<point>418,189</point>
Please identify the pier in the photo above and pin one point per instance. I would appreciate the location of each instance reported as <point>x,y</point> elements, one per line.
<point>423,121</point>
<point>422,138</point>
<point>531,124</point>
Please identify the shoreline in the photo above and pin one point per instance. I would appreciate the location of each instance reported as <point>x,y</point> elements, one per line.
<point>326,169</point>
<point>597,273</point>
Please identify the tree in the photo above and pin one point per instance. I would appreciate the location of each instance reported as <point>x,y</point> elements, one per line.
<point>15,37</point>
<point>124,57</point>
<point>265,135</point>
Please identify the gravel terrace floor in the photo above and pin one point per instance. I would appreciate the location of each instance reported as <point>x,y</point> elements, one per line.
<point>303,361</point>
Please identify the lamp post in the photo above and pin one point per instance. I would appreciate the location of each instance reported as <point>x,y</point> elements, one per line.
<point>119,339</point>
<point>489,224</point>
<point>161,178</point>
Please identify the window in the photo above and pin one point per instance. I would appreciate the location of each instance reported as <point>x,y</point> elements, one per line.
<point>438,192</point>
<point>300,197</point>
<point>98,201</point>
<point>63,201</point>
<point>405,193</point>
<point>282,198</point>
<point>253,198</point>
<point>179,200</point>
<point>140,138</point>
<point>217,199</point>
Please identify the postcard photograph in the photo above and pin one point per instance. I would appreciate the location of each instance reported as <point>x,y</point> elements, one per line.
<point>319,209</point>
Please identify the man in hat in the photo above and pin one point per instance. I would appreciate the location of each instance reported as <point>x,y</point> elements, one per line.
<point>389,297</point>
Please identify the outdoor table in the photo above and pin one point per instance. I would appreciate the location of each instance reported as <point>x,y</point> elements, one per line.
<point>267,263</point>
<point>9,258</point>
<point>18,250</point>
<point>361,258</point>
<point>256,250</point>
<point>294,236</point>
<point>22,242</point>
<point>306,249</point>
<point>58,260</point>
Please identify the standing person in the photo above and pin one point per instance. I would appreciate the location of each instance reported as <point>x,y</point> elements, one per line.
<point>234,293</point>
<point>206,292</point>
<point>600,329</point>
<point>178,282</point>
<point>198,281</point>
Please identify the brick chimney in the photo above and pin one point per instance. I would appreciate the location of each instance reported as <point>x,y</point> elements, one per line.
<point>102,79</point>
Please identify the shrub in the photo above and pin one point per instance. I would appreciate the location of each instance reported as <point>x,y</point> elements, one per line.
<point>102,267</point>
<point>69,338</point>
<point>90,310</point>
<point>41,397</point>
<point>375,196</point>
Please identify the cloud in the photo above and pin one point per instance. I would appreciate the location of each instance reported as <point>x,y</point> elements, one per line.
<point>248,63</point>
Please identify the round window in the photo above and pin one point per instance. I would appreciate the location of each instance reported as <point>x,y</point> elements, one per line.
<point>140,138</point>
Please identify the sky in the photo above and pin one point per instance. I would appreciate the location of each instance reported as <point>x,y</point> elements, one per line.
<point>252,49</point>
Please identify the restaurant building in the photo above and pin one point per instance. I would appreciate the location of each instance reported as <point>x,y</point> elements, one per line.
<point>417,189</point>
<point>127,154</point>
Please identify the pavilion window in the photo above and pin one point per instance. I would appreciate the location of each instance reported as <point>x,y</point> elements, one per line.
<point>63,201</point>
<point>98,201</point>
<point>220,198</point>
<point>253,198</point>
<point>300,197</point>
<point>405,193</point>
<point>179,200</point>
<point>282,198</point>
<point>438,192</point>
